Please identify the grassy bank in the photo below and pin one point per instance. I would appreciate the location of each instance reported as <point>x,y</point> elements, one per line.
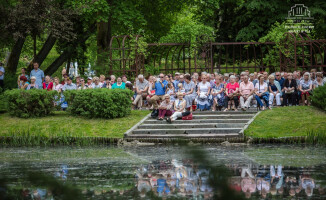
<point>62,124</point>
<point>287,122</point>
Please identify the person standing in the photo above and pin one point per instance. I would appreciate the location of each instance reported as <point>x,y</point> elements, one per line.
<point>2,75</point>
<point>38,74</point>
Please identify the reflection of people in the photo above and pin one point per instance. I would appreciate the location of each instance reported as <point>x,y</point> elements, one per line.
<point>308,184</point>
<point>248,184</point>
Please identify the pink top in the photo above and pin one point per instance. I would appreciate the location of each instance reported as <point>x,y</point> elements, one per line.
<point>231,88</point>
<point>248,184</point>
<point>167,105</point>
<point>246,89</point>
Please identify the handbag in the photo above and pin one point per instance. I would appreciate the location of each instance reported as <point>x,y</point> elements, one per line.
<point>187,117</point>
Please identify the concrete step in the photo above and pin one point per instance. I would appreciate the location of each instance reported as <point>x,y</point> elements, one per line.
<point>192,125</point>
<point>173,136</point>
<point>197,121</point>
<point>223,113</point>
<point>187,131</point>
<point>224,116</point>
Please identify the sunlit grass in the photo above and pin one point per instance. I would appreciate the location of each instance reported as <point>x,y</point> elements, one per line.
<point>63,124</point>
<point>288,121</point>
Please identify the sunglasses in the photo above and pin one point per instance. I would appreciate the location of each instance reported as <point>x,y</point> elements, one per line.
<point>161,77</point>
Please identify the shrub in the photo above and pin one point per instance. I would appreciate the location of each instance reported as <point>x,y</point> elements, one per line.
<point>30,103</point>
<point>318,98</point>
<point>99,103</point>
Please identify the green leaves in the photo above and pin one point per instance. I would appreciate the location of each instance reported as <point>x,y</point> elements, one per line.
<point>30,103</point>
<point>99,103</point>
<point>318,98</point>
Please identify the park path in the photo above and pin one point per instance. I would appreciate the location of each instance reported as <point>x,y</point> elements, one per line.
<point>206,125</point>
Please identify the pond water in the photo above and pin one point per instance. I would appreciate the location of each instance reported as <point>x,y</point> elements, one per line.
<point>155,172</point>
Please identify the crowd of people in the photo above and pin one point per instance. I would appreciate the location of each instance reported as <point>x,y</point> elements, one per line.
<point>175,96</point>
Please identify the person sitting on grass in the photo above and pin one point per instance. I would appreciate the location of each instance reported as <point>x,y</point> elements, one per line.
<point>23,83</point>
<point>246,90</point>
<point>165,108</point>
<point>231,91</point>
<point>261,89</point>
<point>218,93</point>
<point>47,85</point>
<point>82,85</point>
<point>23,70</point>
<point>119,84</point>
<point>305,88</point>
<point>33,84</point>
<point>179,109</point>
<point>275,91</point>
<point>57,85</point>
<point>290,90</point>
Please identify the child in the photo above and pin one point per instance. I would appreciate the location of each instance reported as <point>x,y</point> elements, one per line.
<point>181,89</point>
<point>170,91</point>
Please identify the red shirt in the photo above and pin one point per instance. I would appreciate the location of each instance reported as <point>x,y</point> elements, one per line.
<point>231,88</point>
<point>49,87</point>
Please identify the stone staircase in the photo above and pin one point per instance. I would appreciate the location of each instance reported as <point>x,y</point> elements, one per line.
<point>205,125</point>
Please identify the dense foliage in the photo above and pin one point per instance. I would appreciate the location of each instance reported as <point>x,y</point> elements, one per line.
<point>319,98</point>
<point>99,103</point>
<point>30,103</point>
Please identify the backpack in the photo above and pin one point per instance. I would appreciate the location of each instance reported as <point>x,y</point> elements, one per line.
<point>187,117</point>
<point>154,114</point>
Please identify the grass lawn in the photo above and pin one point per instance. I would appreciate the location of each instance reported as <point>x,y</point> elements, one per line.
<point>287,121</point>
<point>63,124</point>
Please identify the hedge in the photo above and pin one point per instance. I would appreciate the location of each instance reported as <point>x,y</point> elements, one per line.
<point>99,103</point>
<point>318,99</point>
<point>29,103</point>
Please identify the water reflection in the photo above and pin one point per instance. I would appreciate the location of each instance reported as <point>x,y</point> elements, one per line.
<point>137,173</point>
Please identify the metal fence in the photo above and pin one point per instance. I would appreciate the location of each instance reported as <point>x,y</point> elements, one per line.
<point>292,53</point>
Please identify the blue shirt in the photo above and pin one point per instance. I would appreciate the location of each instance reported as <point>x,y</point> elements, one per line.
<point>3,71</point>
<point>159,90</point>
<point>39,74</point>
<point>72,86</point>
<point>281,81</point>
<point>175,83</point>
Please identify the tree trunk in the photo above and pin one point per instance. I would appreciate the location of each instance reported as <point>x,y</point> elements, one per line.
<point>58,62</point>
<point>68,52</point>
<point>44,52</point>
<point>14,56</point>
<point>104,35</point>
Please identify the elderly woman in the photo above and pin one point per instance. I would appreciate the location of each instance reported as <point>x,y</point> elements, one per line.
<point>23,83</point>
<point>274,91</point>
<point>218,93</point>
<point>179,109</point>
<point>96,83</point>
<point>305,88</point>
<point>203,93</point>
<point>290,90</point>
<point>119,84</point>
<point>33,84</point>
<point>319,80</point>
<point>231,91</point>
<point>189,88</point>
<point>261,91</point>
<point>48,85</point>
<point>165,108</point>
